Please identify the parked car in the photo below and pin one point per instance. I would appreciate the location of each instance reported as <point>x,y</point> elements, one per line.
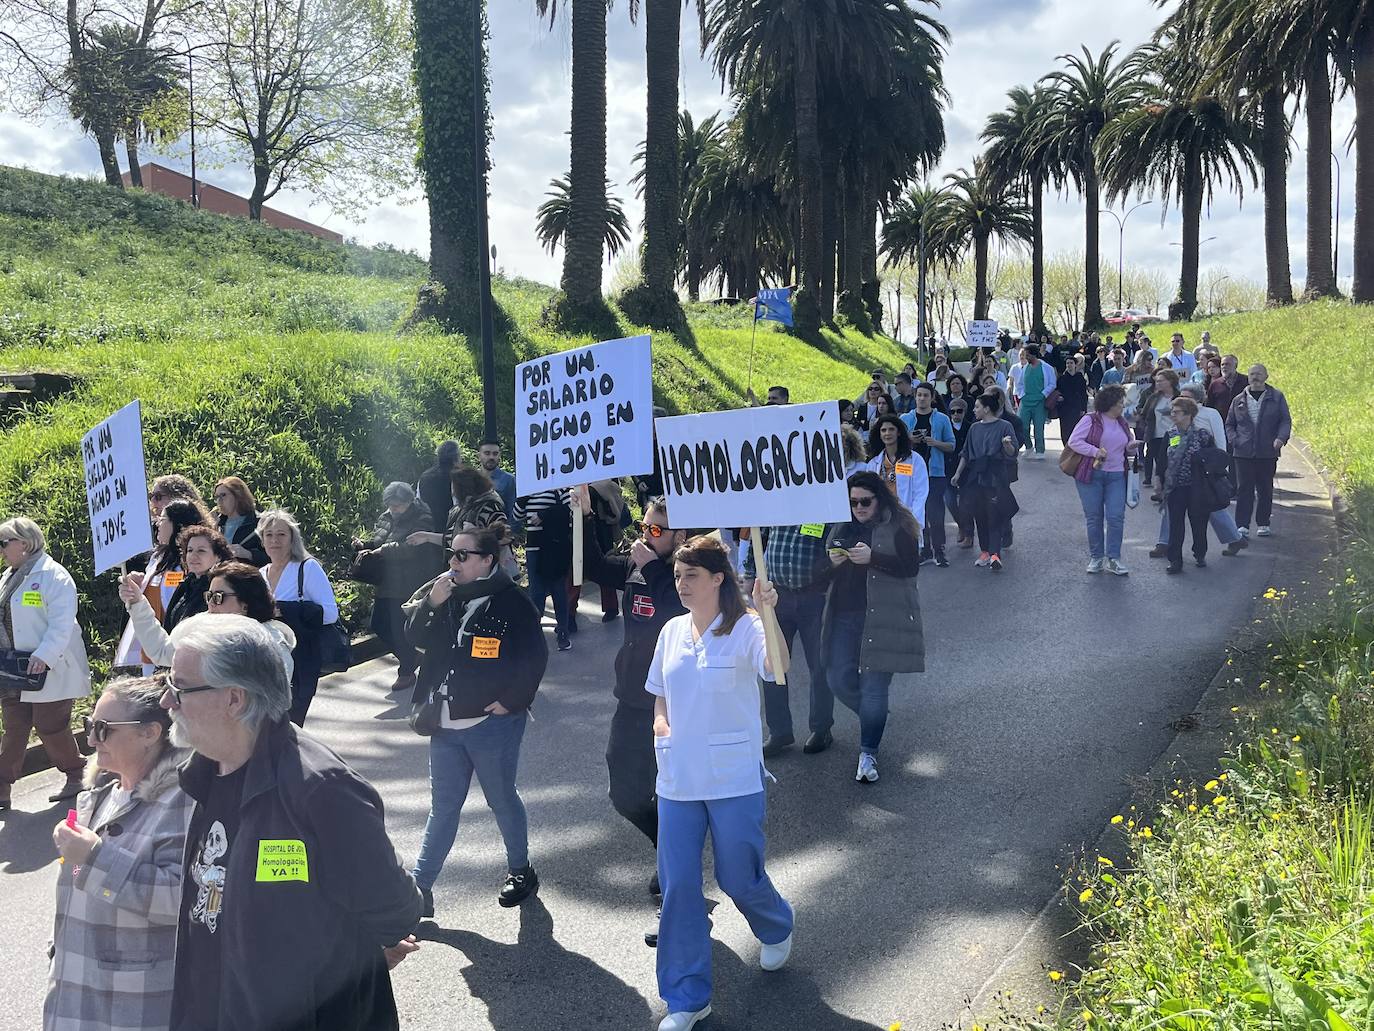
<point>1130,317</point>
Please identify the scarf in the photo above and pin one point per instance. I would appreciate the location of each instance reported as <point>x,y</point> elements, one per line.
<point>496,581</point>
<point>8,589</point>
<point>1179,472</point>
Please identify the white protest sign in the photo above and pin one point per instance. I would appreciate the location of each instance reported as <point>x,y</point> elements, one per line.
<point>117,488</point>
<point>982,333</point>
<point>583,415</point>
<point>774,466</point>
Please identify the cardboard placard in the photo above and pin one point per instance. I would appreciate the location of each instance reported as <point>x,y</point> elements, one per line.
<point>117,488</point>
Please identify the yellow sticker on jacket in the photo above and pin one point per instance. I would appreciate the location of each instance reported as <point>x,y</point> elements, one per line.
<point>903,468</point>
<point>812,529</point>
<point>32,600</point>
<point>174,578</point>
<point>1175,440</point>
<point>282,859</point>
<point>486,647</point>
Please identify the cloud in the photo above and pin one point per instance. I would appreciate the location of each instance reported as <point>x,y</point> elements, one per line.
<point>997,44</point>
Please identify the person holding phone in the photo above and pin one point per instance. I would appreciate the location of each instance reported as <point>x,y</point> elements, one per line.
<point>983,480</point>
<point>872,623</point>
<point>933,440</point>
<point>651,599</point>
<point>895,461</point>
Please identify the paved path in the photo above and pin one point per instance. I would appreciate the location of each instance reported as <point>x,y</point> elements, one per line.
<point>1007,756</point>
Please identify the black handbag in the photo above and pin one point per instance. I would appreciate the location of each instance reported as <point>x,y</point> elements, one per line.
<point>14,673</point>
<point>426,715</point>
<point>306,620</point>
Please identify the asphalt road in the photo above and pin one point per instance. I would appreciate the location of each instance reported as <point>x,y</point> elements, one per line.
<point>1046,690</point>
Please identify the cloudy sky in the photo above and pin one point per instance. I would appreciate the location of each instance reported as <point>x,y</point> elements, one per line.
<point>997,44</point>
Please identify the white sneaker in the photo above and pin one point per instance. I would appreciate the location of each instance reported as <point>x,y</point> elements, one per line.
<point>868,769</point>
<point>1095,566</point>
<point>1115,566</point>
<point>1244,531</point>
<point>772,957</point>
<point>684,1021</point>
<point>1263,531</point>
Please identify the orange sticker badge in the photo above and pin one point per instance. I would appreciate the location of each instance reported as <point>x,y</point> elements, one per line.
<point>903,468</point>
<point>486,647</point>
<point>174,578</point>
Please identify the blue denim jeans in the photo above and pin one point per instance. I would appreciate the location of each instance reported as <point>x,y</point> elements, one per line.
<point>541,589</point>
<point>799,614</point>
<point>492,751</point>
<point>863,691</point>
<point>1104,505</point>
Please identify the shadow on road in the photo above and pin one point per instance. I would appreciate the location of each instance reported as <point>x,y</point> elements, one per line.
<point>26,839</point>
<point>537,982</point>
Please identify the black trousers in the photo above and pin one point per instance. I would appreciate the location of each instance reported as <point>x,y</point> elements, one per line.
<point>1156,460</point>
<point>1255,489</point>
<point>1179,512</point>
<point>633,769</point>
<point>389,624</point>
<point>934,515</point>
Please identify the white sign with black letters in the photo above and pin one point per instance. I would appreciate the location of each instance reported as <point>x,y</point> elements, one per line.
<point>117,488</point>
<point>584,415</point>
<point>982,333</point>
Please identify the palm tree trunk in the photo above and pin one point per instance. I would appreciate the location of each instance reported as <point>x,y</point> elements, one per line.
<point>1092,273</point>
<point>662,214</point>
<point>830,231</point>
<point>1321,277</point>
<point>981,300</point>
<point>109,157</point>
<point>1274,158</point>
<point>1186,303</point>
<point>131,150</point>
<point>584,252</point>
<point>853,231</point>
<point>870,288</point>
<point>1363,289</point>
<point>1037,315</point>
<point>810,214</point>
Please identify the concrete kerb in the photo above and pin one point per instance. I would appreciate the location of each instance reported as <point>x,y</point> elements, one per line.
<point>365,648</point>
<point>1021,978</point>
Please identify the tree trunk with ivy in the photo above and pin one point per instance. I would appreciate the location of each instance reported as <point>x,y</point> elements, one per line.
<point>449,138</point>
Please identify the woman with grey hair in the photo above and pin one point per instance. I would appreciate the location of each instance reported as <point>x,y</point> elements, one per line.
<point>119,886</point>
<point>305,600</point>
<point>398,567</point>
<point>38,630</point>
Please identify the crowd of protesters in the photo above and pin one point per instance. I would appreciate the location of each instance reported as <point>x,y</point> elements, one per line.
<point>207,821</point>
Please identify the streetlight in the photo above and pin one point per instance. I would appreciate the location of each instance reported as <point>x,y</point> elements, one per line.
<point>1212,294</point>
<point>1121,243</point>
<point>1176,243</point>
<point>921,271</point>
<point>1336,230</point>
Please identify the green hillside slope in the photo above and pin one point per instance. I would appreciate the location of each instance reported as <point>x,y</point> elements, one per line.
<point>278,357</point>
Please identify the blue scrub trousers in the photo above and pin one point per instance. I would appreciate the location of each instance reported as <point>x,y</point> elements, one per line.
<point>684,930</point>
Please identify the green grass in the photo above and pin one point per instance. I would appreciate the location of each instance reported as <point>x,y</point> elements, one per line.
<point>278,357</point>
<point>1247,902</point>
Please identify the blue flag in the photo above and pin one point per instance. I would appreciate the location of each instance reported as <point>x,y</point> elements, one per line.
<point>775,305</point>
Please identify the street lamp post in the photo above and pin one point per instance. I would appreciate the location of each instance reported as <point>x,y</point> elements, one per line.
<point>1336,229</point>
<point>1121,244</point>
<point>1212,295</point>
<point>921,271</point>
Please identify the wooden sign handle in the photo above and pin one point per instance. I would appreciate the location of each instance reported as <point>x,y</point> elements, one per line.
<point>580,501</point>
<point>772,632</point>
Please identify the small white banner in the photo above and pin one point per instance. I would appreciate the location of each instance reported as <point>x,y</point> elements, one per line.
<point>117,488</point>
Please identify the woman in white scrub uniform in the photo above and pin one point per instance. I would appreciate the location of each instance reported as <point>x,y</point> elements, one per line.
<point>708,739</point>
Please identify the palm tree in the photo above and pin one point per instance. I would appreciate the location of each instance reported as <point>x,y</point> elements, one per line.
<point>1349,24</point>
<point>551,222</point>
<point>583,251</point>
<point>978,207</point>
<point>1019,151</point>
<point>1087,94</point>
<point>797,45</point>
<point>1179,139</point>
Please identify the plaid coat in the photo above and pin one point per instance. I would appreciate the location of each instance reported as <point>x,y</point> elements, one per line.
<point>116,925</point>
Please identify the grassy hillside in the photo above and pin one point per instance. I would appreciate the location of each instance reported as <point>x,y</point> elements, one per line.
<point>279,357</point>
<point>1248,900</point>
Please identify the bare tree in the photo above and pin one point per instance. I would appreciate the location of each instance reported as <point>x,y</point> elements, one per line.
<point>318,92</point>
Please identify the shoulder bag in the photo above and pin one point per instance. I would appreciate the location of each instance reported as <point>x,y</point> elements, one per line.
<point>306,619</point>
<point>15,677</point>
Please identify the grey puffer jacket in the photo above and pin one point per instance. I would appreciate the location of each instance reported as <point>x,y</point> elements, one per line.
<point>893,639</point>
<point>1249,440</point>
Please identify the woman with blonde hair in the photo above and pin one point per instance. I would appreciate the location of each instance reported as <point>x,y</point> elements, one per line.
<point>119,885</point>
<point>305,601</point>
<point>38,621</point>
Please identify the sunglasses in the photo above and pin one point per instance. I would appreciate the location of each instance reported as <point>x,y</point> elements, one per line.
<point>5,543</point>
<point>217,597</point>
<point>156,495</point>
<point>99,730</point>
<point>178,692</point>
<point>463,554</point>
<point>862,502</point>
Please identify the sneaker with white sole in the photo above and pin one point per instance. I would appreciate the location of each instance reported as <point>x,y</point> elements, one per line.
<point>982,560</point>
<point>1263,531</point>
<point>1245,531</point>
<point>683,1021</point>
<point>772,957</point>
<point>1114,566</point>
<point>1096,565</point>
<point>867,772</point>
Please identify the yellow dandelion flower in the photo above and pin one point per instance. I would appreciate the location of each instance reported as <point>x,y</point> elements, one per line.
<point>1147,833</point>
<point>896,1025</point>
<point>1211,785</point>
<point>1056,976</point>
<point>1297,738</point>
<point>1219,800</point>
<point>1085,894</point>
<point>1192,808</point>
<point>1104,861</point>
<point>1117,819</point>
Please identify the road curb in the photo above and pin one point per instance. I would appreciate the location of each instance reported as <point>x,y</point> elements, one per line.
<point>1021,977</point>
<point>364,649</point>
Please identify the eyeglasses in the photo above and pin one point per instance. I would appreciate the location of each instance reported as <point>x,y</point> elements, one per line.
<point>957,409</point>
<point>156,495</point>
<point>862,502</point>
<point>463,554</point>
<point>99,730</point>
<point>7,543</point>
<point>178,692</point>
<point>217,597</point>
